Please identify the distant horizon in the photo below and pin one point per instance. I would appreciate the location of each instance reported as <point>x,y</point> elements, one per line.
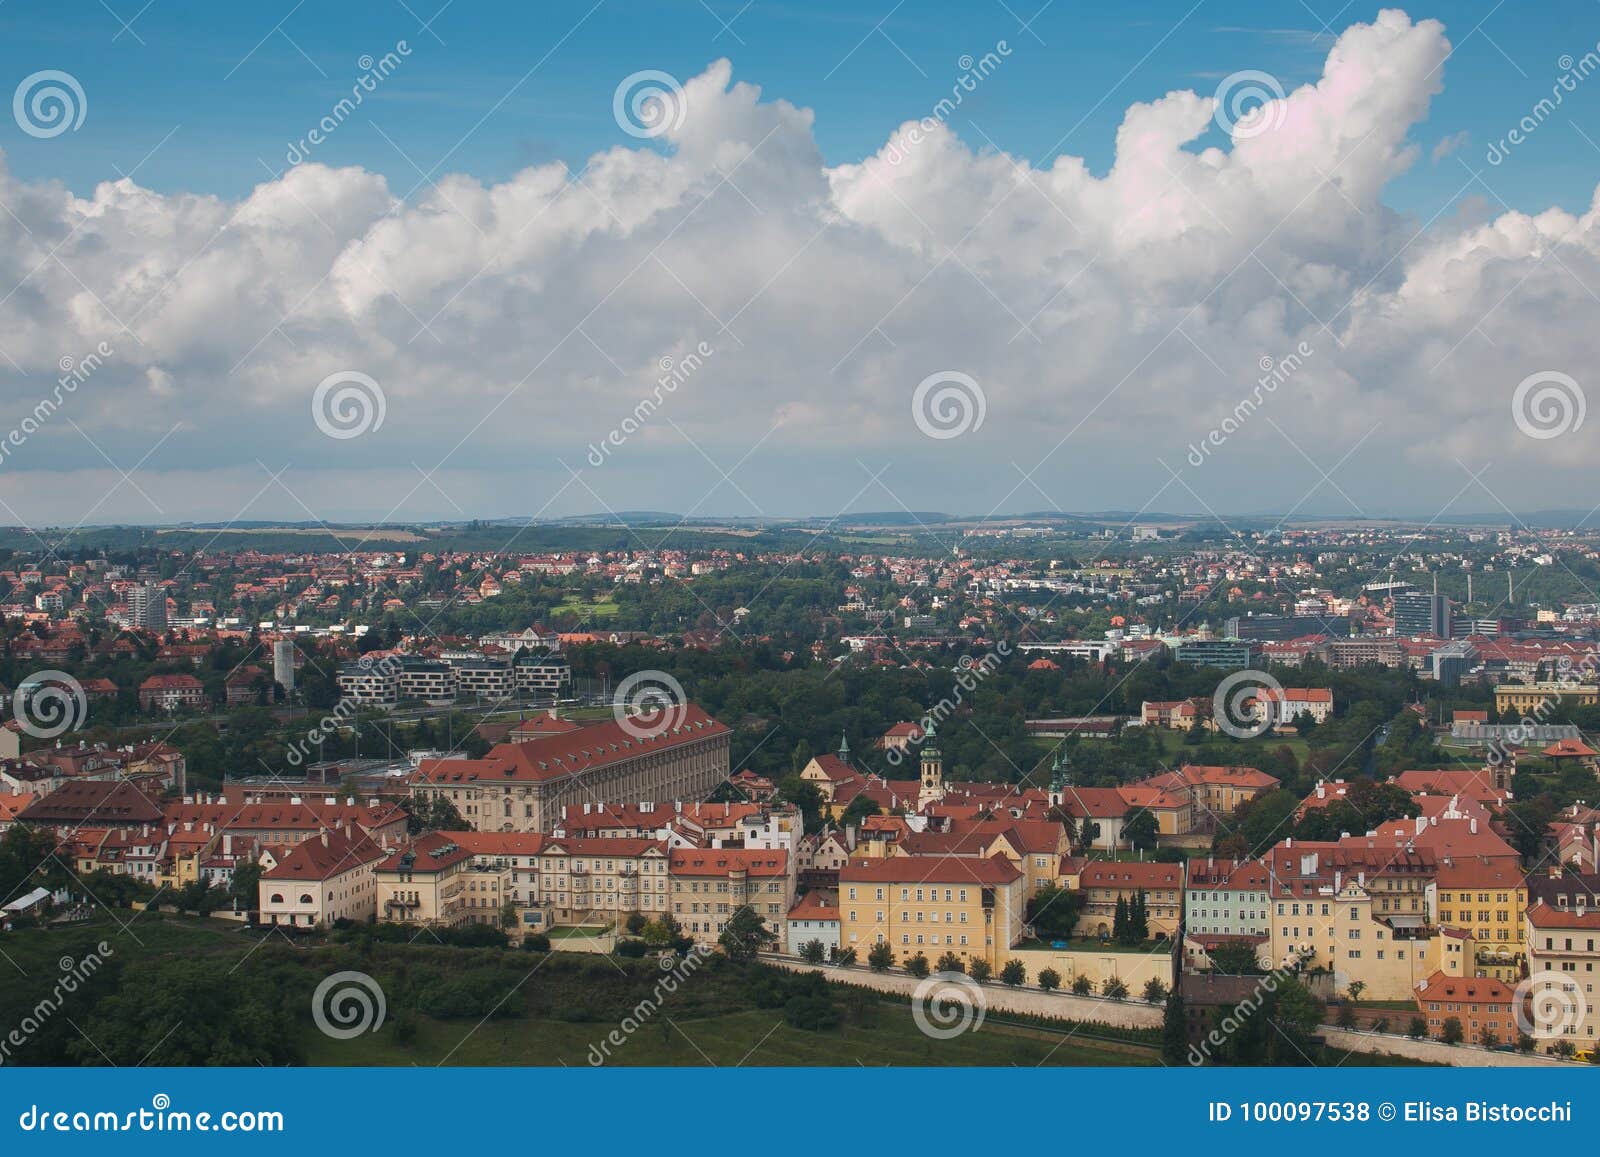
<point>908,521</point>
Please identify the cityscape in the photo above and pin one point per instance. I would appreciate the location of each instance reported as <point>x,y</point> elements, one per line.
<point>594,545</point>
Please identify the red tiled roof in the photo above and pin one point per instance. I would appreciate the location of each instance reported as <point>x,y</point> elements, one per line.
<point>322,858</point>
<point>929,870</point>
<point>722,861</point>
<point>571,754</point>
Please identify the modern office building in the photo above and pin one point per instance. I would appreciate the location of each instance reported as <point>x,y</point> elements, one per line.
<point>147,607</point>
<point>1418,613</point>
<point>1215,653</point>
<point>283,663</point>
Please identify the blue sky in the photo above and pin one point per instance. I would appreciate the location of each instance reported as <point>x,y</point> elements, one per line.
<point>238,81</point>
<point>510,314</point>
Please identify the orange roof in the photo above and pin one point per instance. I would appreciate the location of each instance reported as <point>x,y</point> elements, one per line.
<point>325,857</point>
<point>501,843</point>
<point>723,861</point>
<point>572,754</point>
<point>1541,915</point>
<point>820,904</point>
<point>1568,749</point>
<point>1465,990</point>
<point>1130,874</point>
<point>929,870</point>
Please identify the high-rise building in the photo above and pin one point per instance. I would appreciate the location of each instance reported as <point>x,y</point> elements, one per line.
<point>1418,613</point>
<point>283,663</point>
<point>147,607</point>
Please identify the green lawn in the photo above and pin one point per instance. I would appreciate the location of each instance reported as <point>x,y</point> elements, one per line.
<point>741,1038</point>
<point>602,609</point>
<point>588,932</point>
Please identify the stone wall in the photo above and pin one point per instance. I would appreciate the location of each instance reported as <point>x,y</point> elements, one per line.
<point>1434,1052</point>
<point>1000,998</point>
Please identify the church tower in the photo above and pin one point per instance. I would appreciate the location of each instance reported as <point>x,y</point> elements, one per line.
<point>932,764</point>
<point>1060,778</point>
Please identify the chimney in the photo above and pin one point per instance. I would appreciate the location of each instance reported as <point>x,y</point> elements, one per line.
<point>1474,825</point>
<point>324,837</point>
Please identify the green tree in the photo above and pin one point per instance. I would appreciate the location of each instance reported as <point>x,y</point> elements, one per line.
<point>917,965</point>
<point>1082,985</point>
<point>1141,830</point>
<point>950,962</point>
<point>1113,988</point>
<point>1013,972</point>
<point>980,969</point>
<point>1154,991</point>
<point>1174,1030</point>
<point>1417,1028</point>
<point>1235,958</point>
<point>813,952</point>
<point>1049,979</point>
<point>880,958</point>
<point>1053,912</point>
<point>1451,1032</point>
<point>746,935</point>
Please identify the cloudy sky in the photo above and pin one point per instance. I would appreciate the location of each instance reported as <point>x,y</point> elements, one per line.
<point>763,259</point>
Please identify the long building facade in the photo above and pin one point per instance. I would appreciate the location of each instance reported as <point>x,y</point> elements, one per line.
<point>523,787</point>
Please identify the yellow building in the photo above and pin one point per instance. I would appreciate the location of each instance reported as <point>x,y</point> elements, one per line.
<point>932,904</point>
<point>426,882</point>
<point>1347,909</point>
<point>1485,899</point>
<point>708,884</point>
<point>593,880</point>
<point>1538,698</point>
<point>1105,882</point>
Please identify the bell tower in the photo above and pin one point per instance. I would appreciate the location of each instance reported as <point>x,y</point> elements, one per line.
<point>932,767</point>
